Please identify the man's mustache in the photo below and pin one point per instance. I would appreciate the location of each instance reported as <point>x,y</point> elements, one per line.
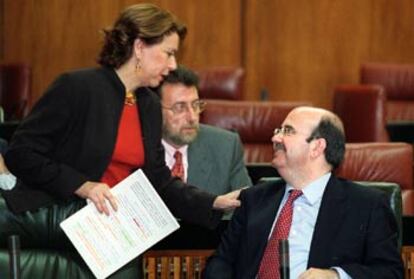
<point>190,126</point>
<point>278,146</point>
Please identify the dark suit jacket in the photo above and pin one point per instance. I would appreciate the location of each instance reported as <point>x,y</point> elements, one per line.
<point>215,161</point>
<point>70,135</point>
<point>355,230</point>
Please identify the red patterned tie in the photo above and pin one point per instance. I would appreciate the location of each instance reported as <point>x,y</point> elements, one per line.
<point>178,169</point>
<point>269,266</point>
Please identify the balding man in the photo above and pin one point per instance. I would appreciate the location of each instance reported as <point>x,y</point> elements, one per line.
<point>335,228</point>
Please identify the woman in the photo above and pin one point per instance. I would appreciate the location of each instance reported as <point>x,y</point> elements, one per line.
<point>93,127</point>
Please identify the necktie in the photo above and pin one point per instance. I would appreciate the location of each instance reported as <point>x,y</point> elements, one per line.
<point>269,266</point>
<point>178,169</point>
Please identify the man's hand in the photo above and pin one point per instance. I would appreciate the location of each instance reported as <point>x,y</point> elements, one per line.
<point>228,201</point>
<point>98,193</point>
<point>319,274</point>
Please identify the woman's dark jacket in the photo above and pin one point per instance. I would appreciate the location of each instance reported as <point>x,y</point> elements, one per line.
<point>70,135</point>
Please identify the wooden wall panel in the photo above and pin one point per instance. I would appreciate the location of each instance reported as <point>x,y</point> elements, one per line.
<point>58,35</point>
<point>300,49</point>
<point>1,29</point>
<point>296,49</point>
<point>214,31</point>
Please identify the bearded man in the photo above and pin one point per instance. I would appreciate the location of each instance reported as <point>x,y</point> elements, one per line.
<point>199,154</point>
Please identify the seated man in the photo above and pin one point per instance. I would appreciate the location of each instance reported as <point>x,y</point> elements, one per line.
<point>208,156</point>
<point>335,228</point>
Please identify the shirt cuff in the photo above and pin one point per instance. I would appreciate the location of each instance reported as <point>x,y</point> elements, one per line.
<point>342,274</point>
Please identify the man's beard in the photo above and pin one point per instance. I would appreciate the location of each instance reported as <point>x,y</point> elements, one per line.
<point>178,138</point>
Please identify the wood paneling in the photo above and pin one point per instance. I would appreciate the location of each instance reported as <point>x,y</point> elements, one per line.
<point>214,31</point>
<point>58,35</point>
<point>300,49</point>
<point>1,29</point>
<point>295,49</point>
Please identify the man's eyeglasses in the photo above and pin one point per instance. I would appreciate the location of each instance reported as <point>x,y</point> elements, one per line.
<point>181,107</point>
<point>284,131</point>
<point>289,131</point>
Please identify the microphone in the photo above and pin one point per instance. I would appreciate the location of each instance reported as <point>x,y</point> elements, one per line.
<point>284,268</point>
<point>14,256</point>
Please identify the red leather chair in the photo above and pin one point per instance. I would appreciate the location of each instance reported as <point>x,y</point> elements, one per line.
<point>221,83</point>
<point>385,95</point>
<point>362,110</point>
<point>254,121</point>
<point>387,162</point>
<point>15,83</point>
<point>398,82</point>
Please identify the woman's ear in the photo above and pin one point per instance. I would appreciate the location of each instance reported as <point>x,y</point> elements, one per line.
<point>138,47</point>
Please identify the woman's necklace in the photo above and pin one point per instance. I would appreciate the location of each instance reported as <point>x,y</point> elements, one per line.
<point>130,98</point>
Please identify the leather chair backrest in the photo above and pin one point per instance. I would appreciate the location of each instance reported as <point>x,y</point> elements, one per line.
<point>362,109</point>
<point>398,81</point>
<point>221,83</point>
<point>46,252</point>
<point>254,121</point>
<point>388,162</point>
<point>15,84</point>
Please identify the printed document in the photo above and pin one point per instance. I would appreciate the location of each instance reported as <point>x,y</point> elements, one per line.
<point>107,243</point>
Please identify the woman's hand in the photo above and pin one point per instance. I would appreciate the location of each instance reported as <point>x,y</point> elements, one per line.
<point>3,168</point>
<point>98,193</point>
<point>228,201</point>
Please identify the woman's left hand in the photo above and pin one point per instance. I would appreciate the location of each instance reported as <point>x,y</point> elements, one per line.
<point>228,201</point>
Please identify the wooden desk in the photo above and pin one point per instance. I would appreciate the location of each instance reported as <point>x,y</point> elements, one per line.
<point>408,259</point>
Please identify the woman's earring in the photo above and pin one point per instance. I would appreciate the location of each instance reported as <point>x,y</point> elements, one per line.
<point>138,65</point>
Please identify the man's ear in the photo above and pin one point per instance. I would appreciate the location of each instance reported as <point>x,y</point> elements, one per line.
<point>318,147</point>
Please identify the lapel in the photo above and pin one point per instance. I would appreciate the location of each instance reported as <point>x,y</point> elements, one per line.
<point>259,225</point>
<point>145,113</point>
<point>328,223</point>
<point>200,162</point>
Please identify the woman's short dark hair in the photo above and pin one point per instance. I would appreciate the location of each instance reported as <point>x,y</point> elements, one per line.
<point>147,22</point>
<point>334,136</point>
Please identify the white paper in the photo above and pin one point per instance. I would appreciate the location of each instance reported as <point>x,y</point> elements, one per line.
<point>106,243</point>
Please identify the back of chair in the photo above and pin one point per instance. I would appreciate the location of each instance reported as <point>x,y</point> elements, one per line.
<point>390,162</point>
<point>15,83</point>
<point>45,250</point>
<point>254,121</point>
<point>398,81</point>
<point>221,83</point>
<point>362,110</point>
<point>175,263</point>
